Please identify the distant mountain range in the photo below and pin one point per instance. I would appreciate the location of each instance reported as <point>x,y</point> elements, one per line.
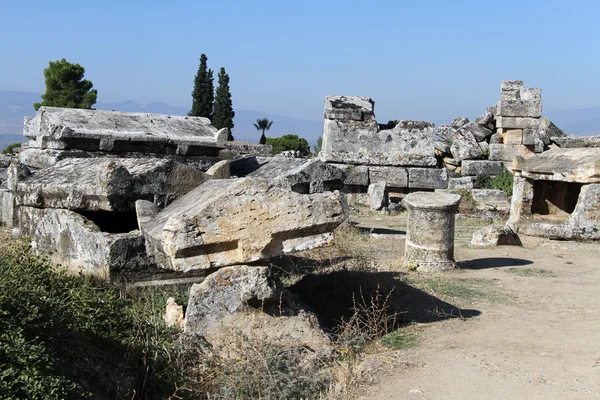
<point>16,105</point>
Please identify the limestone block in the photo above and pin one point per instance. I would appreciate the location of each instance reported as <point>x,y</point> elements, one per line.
<point>489,196</point>
<point>354,175</point>
<point>495,236</point>
<point>530,94</point>
<point>488,119</point>
<point>446,132</point>
<point>377,195</point>
<point>585,219</point>
<point>517,122</point>
<point>442,147</point>
<point>427,178</point>
<point>485,148</point>
<point>234,221</point>
<point>356,108</point>
<point>482,167</point>
<point>512,136</point>
<point>107,184</point>
<point>520,108</point>
<point>113,131</point>
<point>522,198</point>
<point>465,147</point>
<point>236,149</point>
<point>548,130</point>
<point>77,243</point>
<point>460,183</point>
<point>505,152</point>
<point>511,85</point>
<point>225,292</point>
<point>459,122</point>
<point>8,211</point>
<point>566,165</point>
<point>220,170</point>
<point>496,138</point>
<point>409,143</point>
<point>479,132</point>
<point>569,142</point>
<point>393,176</point>
<point>173,315</point>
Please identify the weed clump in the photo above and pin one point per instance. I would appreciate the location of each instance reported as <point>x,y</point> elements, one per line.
<point>503,181</point>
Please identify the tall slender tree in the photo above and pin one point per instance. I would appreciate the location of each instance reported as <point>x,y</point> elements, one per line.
<point>203,95</point>
<point>263,124</point>
<point>223,116</point>
<point>65,87</point>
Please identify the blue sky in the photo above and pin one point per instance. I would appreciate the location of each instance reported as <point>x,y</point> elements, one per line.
<point>431,60</point>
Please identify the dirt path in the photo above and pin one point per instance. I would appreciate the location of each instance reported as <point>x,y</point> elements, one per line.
<point>539,340</point>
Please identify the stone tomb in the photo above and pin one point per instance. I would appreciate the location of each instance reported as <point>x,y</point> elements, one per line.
<point>556,194</point>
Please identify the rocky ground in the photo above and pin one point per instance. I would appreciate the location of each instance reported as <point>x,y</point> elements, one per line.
<point>530,329</point>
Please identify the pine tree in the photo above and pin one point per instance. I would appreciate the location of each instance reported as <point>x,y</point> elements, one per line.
<point>65,87</point>
<point>223,117</point>
<point>203,94</point>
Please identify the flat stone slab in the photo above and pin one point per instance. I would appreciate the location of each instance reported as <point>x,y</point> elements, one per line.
<point>481,167</point>
<point>236,221</point>
<point>431,200</point>
<point>567,165</point>
<point>113,131</point>
<point>427,178</point>
<point>95,184</point>
<point>570,142</point>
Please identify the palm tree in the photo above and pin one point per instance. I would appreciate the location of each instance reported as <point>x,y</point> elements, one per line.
<point>263,124</point>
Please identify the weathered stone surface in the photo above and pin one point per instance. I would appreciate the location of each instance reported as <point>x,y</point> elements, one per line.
<point>520,206</point>
<point>173,315</point>
<point>517,122</point>
<point>566,165</point>
<point>496,138</point>
<point>430,231</point>
<point>571,142</point>
<point>377,195</point>
<point>460,183</point>
<point>442,147</point>
<point>354,175</point>
<point>519,108</point>
<point>511,85</point>
<point>505,152</point>
<point>548,130</point>
<point>299,175</point>
<point>459,122</point>
<point>530,94</point>
<point>490,199</point>
<point>393,176</point>
<point>512,136</point>
<point>479,132</point>
<point>224,292</point>
<point>45,158</point>
<point>482,167</point>
<point>77,243</point>
<point>220,170</point>
<point>107,184</point>
<point>7,212</point>
<point>355,108</point>
<point>446,132</point>
<point>233,221</point>
<point>495,236</point>
<point>488,119</point>
<point>236,149</point>
<point>96,130</point>
<point>427,178</point>
<point>485,148</point>
<point>465,147</point>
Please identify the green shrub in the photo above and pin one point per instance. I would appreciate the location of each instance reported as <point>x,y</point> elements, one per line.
<point>503,181</point>
<point>289,142</point>
<point>9,149</point>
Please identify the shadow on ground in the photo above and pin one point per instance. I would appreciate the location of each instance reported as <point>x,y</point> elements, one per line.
<point>381,231</point>
<point>492,262</point>
<point>333,295</point>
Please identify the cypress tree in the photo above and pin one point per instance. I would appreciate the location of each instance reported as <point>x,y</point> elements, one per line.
<point>203,94</point>
<point>223,117</point>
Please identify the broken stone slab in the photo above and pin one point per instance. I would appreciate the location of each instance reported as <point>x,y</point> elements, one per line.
<point>479,132</point>
<point>446,132</point>
<point>488,119</point>
<point>571,142</point>
<point>7,210</point>
<point>567,165</point>
<point>490,199</point>
<point>113,131</point>
<point>396,177</point>
<point>299,175</point>
<point>519,108</point>
<point>235,221</point>
<point>482,167</point>
<point>409,143</point>
<point>354,175</point>
<point>517,122</point>
<point>237,149</point>
<point>495,236</point>
<point>496,138</point>
<point>74,241</point>
<point>460,183</point>
<point>511,85</point>
<point>465,147</point>
<point>530,94</point>
<point>442,147</point>
<point>459,122</point>
<point>45,158</point>
<point>220,170</point>
<point>353,108</point>
<point>96,184</point>
<point>505,152</point>
<point>427,178</point>
<point>377,195</point>
<point>547,130</point>
<point>225,292</point>
<point>485,148</point>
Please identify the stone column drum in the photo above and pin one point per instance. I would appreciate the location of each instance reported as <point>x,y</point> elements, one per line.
<point>430,233</point>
